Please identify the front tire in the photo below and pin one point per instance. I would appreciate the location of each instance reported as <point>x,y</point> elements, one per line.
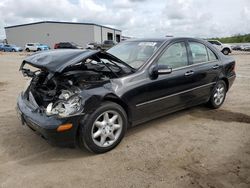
<point>104,129</point>
<point>218,95</point>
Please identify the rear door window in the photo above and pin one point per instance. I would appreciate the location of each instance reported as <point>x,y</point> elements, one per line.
<point>211,55</point>
<point>199,52</point>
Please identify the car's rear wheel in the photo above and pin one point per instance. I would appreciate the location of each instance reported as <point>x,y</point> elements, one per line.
<point>218,95</point>
<point>225,51</point>
<point>104,128</point>
<point>27,50</point>
<point>38,49</point>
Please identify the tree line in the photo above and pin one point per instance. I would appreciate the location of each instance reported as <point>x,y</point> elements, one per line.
<point>234,39</point>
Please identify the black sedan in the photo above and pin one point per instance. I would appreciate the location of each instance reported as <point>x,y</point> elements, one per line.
<point>89,98</point>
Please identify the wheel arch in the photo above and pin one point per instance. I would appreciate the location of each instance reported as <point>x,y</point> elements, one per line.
<point>116,99</point>
<point>226,81</point>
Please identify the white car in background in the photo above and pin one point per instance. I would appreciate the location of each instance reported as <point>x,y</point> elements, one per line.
<point>224,48</point>
<point>91,45</point>
<point>35,47</point>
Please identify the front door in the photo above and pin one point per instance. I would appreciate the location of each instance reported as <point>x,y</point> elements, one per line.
<point>170,92</point>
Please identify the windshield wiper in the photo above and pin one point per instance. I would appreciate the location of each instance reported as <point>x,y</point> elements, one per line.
<point>106,65</point>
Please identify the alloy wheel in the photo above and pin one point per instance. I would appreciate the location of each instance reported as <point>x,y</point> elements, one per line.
<point>219,94</point>
<point>107,128</point>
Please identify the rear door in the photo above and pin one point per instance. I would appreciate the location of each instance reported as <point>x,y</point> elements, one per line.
<point>206,67</point>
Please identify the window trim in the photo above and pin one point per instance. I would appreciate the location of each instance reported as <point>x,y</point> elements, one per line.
<point>193,65</point>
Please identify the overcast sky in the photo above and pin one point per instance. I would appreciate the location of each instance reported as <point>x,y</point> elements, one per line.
<point>137,18</point>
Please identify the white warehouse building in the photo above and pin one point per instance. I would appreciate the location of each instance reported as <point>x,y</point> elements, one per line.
<point>51,32</point>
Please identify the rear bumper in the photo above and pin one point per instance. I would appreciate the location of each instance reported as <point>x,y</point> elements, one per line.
<point>46,126</point>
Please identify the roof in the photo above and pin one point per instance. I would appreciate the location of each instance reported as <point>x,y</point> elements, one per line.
<point>148,39</point>
<point>55,22</point>
<point>162,39</point>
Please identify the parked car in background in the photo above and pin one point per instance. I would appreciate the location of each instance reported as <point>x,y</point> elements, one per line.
<point>10,48</point>
<point>245,47</point>
<point>91,45</point>
<point>224,48</point>
<point>67,45</point>
<point>105,45</point>
<point>237,47</point>
<point>35,47</point>
<point>1,45</point>
<point>89,98</point>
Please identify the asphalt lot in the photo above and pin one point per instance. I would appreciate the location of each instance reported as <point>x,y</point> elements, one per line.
<point>197,147</point>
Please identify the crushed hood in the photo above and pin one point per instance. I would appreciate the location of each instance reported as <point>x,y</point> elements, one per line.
<point>58,60</point>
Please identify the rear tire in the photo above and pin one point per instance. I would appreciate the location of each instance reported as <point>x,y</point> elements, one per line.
<point>27,50</point>
<point>104,128</point>
<point>225,51</point>
<point>218,95</point>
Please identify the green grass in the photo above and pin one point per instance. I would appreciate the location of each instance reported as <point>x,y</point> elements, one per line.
<point>234,39</point>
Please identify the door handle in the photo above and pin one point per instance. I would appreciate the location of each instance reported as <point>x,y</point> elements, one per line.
<point>189,73</point>
<point>216,66</point>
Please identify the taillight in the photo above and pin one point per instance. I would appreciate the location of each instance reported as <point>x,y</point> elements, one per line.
<point>56,46</point>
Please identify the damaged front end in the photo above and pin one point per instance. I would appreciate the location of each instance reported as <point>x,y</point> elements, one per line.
<point>56,88</point>
<point>59,95</point>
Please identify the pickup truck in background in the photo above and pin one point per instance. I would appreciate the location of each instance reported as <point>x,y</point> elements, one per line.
<point>101,46</point>
<point>224,48</point>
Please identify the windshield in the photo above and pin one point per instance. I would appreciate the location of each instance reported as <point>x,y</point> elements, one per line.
<point>135,53</point>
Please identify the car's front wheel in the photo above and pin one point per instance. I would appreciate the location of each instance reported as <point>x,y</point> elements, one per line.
<point>104,128</point>
<point>218,95</point>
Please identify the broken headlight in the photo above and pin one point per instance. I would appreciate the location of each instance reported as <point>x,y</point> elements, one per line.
<point>67,105</point>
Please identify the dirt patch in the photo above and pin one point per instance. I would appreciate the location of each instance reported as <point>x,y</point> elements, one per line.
<point>222,115</point>
<point>2,84</point>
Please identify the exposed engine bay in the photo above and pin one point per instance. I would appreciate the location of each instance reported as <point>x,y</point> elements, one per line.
<point>58,92</point>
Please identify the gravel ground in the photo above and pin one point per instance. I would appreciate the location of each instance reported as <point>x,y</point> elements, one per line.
<point>197,147</point>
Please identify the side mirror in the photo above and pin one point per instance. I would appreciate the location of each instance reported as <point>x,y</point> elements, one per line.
<point>157,70</point>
